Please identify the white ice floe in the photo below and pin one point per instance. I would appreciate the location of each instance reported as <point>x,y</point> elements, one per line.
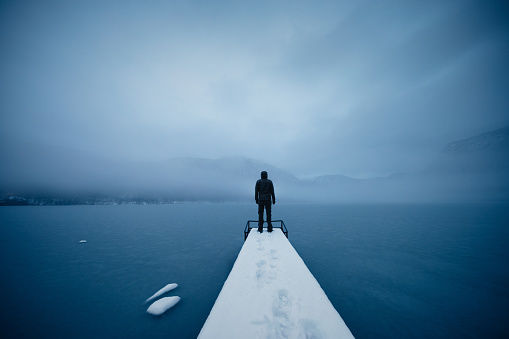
<point>82,241</point>
<point>270,293</point>
<point>162,305</point>
<point>162,291</point>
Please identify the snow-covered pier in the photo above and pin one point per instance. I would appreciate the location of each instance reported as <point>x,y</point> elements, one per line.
<point>270,293</point>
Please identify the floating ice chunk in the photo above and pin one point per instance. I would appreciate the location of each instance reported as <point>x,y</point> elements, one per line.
<point>163,290</point>
<point>162,305</point>
<point>82,241</point>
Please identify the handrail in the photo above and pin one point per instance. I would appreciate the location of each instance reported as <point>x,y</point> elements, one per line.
<point>248,227</point>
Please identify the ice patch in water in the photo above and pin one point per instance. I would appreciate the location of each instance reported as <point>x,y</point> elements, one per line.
<point>162,305</point>
<point>163,290</point>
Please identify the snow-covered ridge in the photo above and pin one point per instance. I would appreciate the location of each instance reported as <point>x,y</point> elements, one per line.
<point>270,293</point>
<point>492,141</point>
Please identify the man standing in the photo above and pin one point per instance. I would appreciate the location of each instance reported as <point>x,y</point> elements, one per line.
<point>264,190</point>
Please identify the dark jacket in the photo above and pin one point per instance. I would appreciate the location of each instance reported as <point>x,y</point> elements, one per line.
<point>264,190</point>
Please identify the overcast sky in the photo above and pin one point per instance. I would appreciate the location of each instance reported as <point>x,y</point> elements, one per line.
<point>361,88</point>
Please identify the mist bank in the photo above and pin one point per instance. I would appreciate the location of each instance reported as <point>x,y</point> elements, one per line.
<point>471,170</point>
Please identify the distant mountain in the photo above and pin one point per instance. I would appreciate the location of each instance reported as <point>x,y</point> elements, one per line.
<point>494,141</point>
<point>332,179</point>
<point>34,170</point>
<point>483,154</point>
<point>230,178</point>
<point>470,170</point>
<point>474,169</point>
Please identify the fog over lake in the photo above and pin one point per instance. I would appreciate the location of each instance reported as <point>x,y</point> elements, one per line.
<point>192,100</point>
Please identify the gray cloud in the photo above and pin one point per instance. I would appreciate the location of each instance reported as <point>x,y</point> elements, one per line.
<point>362,89</point>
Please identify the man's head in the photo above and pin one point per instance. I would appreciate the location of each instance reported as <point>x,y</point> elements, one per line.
<point>264,175</point>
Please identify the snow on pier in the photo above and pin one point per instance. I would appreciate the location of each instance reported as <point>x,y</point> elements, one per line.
<point>270,293</point>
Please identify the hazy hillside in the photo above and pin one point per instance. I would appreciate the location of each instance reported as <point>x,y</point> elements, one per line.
<point>470,170</point>
<point>56,172</point>
<point>474,169</point>
<point>484,153</point>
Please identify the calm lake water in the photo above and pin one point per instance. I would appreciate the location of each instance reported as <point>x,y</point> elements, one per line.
<point>391,271</point>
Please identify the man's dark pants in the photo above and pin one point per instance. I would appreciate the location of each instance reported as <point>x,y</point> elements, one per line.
<point>267,205</point>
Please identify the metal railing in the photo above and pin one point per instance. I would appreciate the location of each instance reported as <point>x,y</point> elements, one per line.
<point>248,227</point>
